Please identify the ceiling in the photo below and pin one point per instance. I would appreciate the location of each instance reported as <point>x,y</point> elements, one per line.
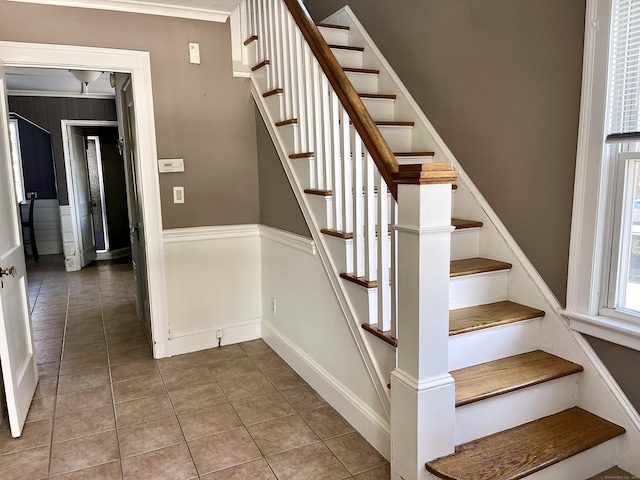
<point>22,80</point>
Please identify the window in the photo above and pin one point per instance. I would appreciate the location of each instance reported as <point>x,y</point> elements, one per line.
<point>16,159</point>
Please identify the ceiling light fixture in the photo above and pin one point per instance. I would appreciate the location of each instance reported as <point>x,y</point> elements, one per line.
<point>86,77</point>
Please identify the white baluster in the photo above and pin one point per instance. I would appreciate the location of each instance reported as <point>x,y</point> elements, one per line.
<point>384,256</point>
<point>318,146</point>
<point>370,248</point>
<point>358,206</point>
<point>336,169</point>
<point>327,131</point>
<point>347,173</point>
<point>394,268</point>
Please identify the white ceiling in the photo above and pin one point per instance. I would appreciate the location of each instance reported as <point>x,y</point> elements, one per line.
<point>61,81</point>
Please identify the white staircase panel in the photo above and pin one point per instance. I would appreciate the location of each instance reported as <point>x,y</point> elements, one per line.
<point>363,300</point>
<point>380,109</point>
<point>412,160</point>
<point>502,412</point>
<point>479,289</point>
<point>301,168</point>
<point>335,36</point>
<point>275,106</point>
<point>290,137</point>
<point>399,137</point>
<point>341,251</point>
<point>348,58</point>
<point>363,82</point>
<point>320,208</point>
<point>491,344</point>
<point>465,243</point>
<point>261,78</point>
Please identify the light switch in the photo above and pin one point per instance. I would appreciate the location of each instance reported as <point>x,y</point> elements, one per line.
<point>194,53</point>
<point>178,194</point>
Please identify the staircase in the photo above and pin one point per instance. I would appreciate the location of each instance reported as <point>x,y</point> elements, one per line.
<point>519,408</point>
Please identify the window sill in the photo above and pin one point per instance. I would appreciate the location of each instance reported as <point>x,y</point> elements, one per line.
<point>612,330</point>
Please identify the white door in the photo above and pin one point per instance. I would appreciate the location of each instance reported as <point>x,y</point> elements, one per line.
<point>127,131</point>
<point>19,371</point>
<point>82,196</point>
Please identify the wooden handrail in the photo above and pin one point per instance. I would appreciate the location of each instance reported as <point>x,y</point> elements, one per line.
<point>362,121</point>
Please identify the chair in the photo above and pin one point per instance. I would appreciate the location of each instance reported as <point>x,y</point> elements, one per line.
<point>29,224</point>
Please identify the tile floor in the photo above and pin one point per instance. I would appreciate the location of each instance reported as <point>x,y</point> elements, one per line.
<point>105,409</point>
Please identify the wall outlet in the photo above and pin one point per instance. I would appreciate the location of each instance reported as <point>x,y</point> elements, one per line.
<point>274,306</point>
<point>219,333</point>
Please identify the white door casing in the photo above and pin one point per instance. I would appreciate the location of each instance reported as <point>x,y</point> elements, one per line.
<point>17,354</point>
<point>136,63</point>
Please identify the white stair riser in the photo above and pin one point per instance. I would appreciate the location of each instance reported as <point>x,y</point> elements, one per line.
<point>363,82</point>
<point>290,137</point>
<point>380,109</point>
<point>302,170</point>
<point>399,138</point>
<point>348,58</point>
<point>509,410</point>
<point>261,77</point>
<point>335,36</point>
<point>465,243</point>
<point>363,300</point>
<point>384,355</point>
<point>479,289</point>
<point>252,53</point>
<point>341,252</point>
<point>415,160</point>
<point>320,209</point>
<point>275,106</point>
<point>494,343</point>
<point>581,466</point>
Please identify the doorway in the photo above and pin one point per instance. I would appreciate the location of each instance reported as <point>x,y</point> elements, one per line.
<point>136,64</point>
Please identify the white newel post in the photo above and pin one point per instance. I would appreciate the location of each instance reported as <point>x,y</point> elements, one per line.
<point>422,391</point>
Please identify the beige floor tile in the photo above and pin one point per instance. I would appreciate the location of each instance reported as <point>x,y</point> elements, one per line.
<point>380,473</point>
<point>82,424</point>
<point>31,464</point>
<point>262,408</point>
<point>223,450</point>
<point>83,400</point>
<point>133,355</point>
<point>83,452</point>
<point>148,436</point>
<point>85,329</point>
<point>355,453</point>
<point>143,410</point>
<point>326,422</point>
<point>220,354</point>
<point>50,332</point>
<point>233,368</point>
<point>51,342</point>
<point>48,369</point>
<point>171,463</point>
<point>82,351</point>
<point>303,398</point>
<point>284,377</point>
<point>35,434</point>
<point>268,361</point>
<point>196,398</point>
<point>138,388</point>
<point>179,362</point>
<point>282,434</point>
<point>311,462</point>
<point>82,339</point>
<point>107,471</point>
<point>48,355</point>
<point>208,421</point>
<point>128,371</point>
<point>189,377</point>
<point>47,387</point>
<point>246,386</point>
<point>256,470</point>
<point>41,408</point>
<point>84,380</point>
<point>139,341</point>
<point>83,363</point>
<point>255,347</point>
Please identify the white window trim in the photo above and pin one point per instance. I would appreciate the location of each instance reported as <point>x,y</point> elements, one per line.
<point>588,226</point>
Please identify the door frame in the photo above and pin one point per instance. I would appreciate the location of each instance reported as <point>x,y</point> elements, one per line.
<point>138,64</point>
<point>68,166</point>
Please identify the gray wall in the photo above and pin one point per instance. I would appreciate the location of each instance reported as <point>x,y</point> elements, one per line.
<point>278,205</point>
<point>202,113</point>
<point>500,80</point>
<point>48,111</point>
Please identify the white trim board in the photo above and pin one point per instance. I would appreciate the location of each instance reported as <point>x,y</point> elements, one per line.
<point>195,340</point>
<point>15,54</point>
<point>197,234</point>
<point>148,8</point>
<point>376,430</point>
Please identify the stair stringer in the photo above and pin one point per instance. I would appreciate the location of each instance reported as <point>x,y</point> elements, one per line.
<point>598,392</point>
<point>375,371</point>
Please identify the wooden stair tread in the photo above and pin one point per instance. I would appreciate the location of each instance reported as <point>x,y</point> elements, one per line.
<point>252,38</point>
<point>614,473</point>
<point>384,336</point>
<point>470,319</point>
<point>337,233</point>
<point>385,96</point>
<point>347,47</point>
<point>321,193</point>
<point>290,121</point>
<point>361,70</point>
<point>275,91</point>
<point>413,154</point>
<point>505,375</point>
<point>331,25</point>
<point>471,266</point>
<point>527,448</point>
<point>264,63</point>
<point>460,224</point>
<point>363,282</point>
<point>394,124</point>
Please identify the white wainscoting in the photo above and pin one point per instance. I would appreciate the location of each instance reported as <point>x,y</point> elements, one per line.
<point>309,330</point>
<point>213,283</point>
<point>46,223</point>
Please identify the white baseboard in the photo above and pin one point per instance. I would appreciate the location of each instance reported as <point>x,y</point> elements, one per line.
<point>192,341</point>
<point>368,423</point>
